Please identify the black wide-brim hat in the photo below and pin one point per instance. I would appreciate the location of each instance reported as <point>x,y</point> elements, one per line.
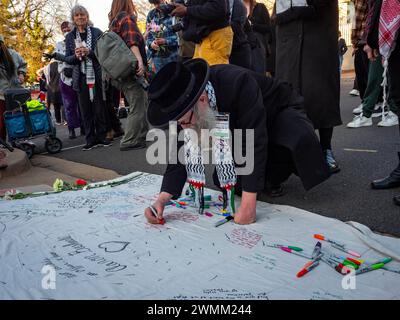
<point>175,90</point>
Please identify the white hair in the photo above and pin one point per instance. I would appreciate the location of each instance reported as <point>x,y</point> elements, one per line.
<point>78,9</point>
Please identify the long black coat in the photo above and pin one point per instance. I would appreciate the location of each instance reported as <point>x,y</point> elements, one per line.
<point>274,111</point>
<point>306,57</point>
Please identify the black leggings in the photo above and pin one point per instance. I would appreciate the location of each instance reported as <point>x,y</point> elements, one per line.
<point>325,138</point>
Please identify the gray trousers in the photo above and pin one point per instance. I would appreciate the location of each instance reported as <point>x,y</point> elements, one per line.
<point>136,125</point>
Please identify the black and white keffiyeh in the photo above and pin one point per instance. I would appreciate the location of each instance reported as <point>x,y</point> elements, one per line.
<point>87,64</point>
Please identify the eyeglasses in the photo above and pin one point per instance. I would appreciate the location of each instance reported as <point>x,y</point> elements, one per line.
<point>180,123</point>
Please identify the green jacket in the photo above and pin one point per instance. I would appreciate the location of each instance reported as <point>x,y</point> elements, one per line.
<point>20,67</point>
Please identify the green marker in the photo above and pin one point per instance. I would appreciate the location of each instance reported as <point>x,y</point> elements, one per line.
<point>290,247</point>
<point>348,263</point>
<point>295,248</point>
<point>370,268</point>
<point>384,261</point>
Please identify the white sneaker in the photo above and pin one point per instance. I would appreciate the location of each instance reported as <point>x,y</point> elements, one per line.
<point>354,92</point>
<point>358,110</point>
<point>388,120</point>
<point>360,121</point>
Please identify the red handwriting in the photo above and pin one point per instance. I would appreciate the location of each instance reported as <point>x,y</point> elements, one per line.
<point>245,238</point>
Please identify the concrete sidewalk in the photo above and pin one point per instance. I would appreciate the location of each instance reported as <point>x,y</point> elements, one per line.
<point>39,173</point>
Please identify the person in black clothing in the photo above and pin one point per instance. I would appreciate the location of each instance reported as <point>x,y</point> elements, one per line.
<point>372,49</point>
<point>53,91</point>
<point>206,23</point>
<point>284,138</point>
<point>259,34</point>
<point>86,77</point>
<point>241,50</point>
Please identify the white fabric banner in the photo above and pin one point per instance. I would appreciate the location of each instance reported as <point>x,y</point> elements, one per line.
<point>96,244</point>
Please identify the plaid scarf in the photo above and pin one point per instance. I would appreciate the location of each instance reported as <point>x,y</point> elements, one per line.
<point>389,25</point>
<point>87,64</point>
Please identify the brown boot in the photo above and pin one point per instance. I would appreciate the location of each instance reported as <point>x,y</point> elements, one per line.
<point>3,161</point>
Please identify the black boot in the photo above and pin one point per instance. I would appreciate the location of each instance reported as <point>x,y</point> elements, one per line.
<point>391,181</point>
<point>72,134</point>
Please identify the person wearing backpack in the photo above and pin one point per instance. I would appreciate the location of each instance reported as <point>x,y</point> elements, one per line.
<point>122,19</point>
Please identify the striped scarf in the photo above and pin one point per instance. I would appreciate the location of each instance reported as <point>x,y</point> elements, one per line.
<point>87,64</point>
<point>225,165</point>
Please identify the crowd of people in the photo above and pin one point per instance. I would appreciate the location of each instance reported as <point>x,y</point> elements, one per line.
<point>278,75</point>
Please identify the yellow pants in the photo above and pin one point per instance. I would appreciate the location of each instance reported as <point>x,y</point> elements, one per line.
<point>216,47</point>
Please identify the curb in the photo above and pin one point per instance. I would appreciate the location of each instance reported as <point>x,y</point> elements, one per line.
<point>74,169</point>
<point>18,163</point>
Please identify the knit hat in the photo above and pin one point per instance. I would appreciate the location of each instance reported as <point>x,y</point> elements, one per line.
<point>65,24</point>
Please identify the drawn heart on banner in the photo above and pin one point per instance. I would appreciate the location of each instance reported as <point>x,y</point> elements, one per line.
<point>113,246</point>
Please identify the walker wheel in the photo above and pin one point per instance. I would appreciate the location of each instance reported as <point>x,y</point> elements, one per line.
<point>53,145</point>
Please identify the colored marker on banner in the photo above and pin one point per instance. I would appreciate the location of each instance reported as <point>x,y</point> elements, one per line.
<point>154,211</point>
<point>370,268</point>
<point>337,245</point>
<point>350,252</point>
<point>225,220</point>
<point>307,269</point>
<point>177,204</point>
<point>281,245</point>
<point>317,250</point>
<point>340,259</point>
<point>338,267</point>
<point>300,254</point>
<point>384,261</point>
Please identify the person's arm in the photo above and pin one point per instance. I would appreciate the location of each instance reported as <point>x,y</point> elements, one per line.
<point>58,56</point>
<point>174,180</point>
<point>251,115</point>
<point>212,10</point>
<point>140,68</point>
<point>130,33</point>
<point>70,57</point>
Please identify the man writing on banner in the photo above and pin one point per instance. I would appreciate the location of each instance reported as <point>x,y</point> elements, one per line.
<point>196,95</point>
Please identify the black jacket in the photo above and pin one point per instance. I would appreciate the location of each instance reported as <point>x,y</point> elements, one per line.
<point>275,112</point>
<point>71,59</point>
<point>203,17</point>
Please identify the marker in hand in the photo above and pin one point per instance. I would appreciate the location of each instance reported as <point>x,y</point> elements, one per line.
<point>155,213</point>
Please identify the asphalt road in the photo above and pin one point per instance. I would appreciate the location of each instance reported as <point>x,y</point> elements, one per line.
<point>364,154</point>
